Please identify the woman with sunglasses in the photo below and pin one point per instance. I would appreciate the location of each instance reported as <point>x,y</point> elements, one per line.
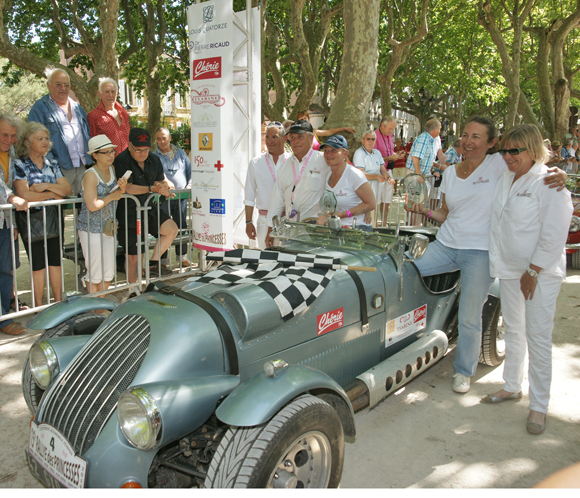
<point>100,206</point>
<point>529,226</point>
<point>463,239</point>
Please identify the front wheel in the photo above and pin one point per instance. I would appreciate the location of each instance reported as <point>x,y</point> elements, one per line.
<point>302,446</point>
<point>575,260</point>
<point>83,324</point>
<point>492,351</point>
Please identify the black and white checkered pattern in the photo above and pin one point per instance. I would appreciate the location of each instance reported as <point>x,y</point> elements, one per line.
<point>293,288</point>
<point>255,256</point>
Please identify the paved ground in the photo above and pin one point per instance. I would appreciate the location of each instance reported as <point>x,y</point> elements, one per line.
<point>425,436</point>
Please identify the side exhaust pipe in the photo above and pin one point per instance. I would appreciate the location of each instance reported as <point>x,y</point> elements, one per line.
<point>393,373</point>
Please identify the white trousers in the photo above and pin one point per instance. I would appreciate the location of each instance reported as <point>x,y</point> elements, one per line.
<point>529,323</point>
<point>261,232</point>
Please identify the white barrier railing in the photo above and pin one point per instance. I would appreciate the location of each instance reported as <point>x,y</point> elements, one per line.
<point>71,255</point>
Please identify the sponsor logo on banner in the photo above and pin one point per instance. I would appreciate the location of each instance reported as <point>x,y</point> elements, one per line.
<point>196,204</point>
<point>205,186</point>
<point>200,162</point>
<point>218,165</point>
<point>200,47</point>
<point>205,120</point>
<point>331,320</point>
<point>205,29</point>
<point>405,325</point>
<point>217,206</point>
<point>218,239</point>
<point>207,14</point>
<point>204,98</point>
<point>205,141</point>
<point>206,69</point>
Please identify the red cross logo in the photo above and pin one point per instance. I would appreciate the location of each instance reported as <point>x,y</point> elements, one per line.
<point>218,165</point>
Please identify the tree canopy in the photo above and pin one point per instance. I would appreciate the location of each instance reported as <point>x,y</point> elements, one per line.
<point>513,60</point>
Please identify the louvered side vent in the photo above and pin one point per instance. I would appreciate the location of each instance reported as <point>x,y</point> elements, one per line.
<point>234,309</point>
<point>87,394</point>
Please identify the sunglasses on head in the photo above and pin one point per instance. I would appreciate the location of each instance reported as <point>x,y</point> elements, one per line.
<point>512,152</point>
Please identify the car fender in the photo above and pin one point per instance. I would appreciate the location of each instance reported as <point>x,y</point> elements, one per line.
<point>61,312</point>
<point>259,398</point>
<point>66,348</point>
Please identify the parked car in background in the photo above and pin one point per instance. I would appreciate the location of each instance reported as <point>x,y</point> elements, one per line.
<point>573,241</point>
<point>245,376</point>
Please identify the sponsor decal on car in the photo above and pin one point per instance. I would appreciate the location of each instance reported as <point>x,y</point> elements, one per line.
<point>331,320</point>
<point>206,69</point>
<point>405,325</point>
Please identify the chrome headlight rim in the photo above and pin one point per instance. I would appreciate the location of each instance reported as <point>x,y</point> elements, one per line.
<point>574,224</point>
<point>51,363</point>
<point>150,412</point>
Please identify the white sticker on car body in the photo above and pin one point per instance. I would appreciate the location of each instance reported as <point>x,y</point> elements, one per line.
<point>405,325</point>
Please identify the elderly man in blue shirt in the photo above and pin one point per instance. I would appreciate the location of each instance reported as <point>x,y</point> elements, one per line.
<point>68,127</point>
<point>177,169</point>
<point>422,153</point>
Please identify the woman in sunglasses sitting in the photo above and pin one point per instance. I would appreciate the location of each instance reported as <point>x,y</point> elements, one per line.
<point>463,239</point>
<point>529,226</point>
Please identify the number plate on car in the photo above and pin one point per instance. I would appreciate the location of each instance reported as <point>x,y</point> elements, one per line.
<point>52,459</point>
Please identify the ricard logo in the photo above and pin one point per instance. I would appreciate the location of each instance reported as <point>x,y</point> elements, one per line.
<point>330,320</point>
<point>205,69</point>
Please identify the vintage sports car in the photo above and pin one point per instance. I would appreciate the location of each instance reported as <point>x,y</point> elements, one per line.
<point>245,376</point>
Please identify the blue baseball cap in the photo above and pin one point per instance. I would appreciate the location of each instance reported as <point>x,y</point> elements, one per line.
<point>336,142</point>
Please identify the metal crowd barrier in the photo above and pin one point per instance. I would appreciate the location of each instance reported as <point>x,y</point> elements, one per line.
<point>71,250</point>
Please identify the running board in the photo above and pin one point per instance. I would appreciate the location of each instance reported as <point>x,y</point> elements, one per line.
<point>393,373</point>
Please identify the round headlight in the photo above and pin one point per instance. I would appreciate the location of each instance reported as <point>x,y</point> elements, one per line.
<point>139,418</point>
<point>43,364</point>
<point>574,224</point>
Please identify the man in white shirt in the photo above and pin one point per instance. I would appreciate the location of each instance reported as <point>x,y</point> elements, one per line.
<point>301,180</point>
<point>260,180</point>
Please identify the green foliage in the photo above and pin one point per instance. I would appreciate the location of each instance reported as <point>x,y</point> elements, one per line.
<point>181,137</point>
<point>19,89</point>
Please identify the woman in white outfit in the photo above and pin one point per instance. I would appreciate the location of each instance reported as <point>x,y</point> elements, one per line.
<point>463,240</point>
<point>529,226</point>
<point>354,194</point>
<point>100,206</point>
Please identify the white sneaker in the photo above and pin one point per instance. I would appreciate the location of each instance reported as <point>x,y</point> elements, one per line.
<point>461,383</point>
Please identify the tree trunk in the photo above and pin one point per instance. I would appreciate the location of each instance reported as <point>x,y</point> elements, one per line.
<point>359,65</point>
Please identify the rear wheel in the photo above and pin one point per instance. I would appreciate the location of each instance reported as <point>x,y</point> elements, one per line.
<point>575,260</point>
<point>83,324</point>
<point>492,351</point>
<point>301,447</point>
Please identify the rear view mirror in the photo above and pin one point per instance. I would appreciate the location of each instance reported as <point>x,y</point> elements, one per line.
<point>418,246</point>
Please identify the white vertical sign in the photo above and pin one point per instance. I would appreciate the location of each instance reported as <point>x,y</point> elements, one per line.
<point>210,29</point>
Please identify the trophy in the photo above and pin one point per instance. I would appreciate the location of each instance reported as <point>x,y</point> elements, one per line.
<point>417,189</point>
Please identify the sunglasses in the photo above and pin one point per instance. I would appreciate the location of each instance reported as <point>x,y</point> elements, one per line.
<point>511,152</point>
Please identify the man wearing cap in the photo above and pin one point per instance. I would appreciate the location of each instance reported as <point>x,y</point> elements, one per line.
<point>68,126</point>
<point>260,180</point>
<point>177,169</point>
<point>300,181</point>
<point>146,177</point>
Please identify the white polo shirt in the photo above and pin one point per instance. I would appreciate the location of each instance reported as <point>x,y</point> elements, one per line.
<point>260,179</point>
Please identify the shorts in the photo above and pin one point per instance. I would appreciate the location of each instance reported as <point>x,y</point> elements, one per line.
<point>385,193</point>
<point>127,237</point>
<point>101,264</point>
<point>37,259</point>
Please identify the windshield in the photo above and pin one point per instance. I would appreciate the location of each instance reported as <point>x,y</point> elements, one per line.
<point>344,239</point>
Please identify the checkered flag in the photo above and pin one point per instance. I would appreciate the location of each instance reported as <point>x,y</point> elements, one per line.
<point>293,288</point>
<point>255,256</point>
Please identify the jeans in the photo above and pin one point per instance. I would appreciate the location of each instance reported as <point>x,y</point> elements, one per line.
<point>177,209</point>
<point>5,273</point>
<point>475,283</point>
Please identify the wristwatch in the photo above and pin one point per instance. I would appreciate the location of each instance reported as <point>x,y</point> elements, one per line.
<point>533,273</point>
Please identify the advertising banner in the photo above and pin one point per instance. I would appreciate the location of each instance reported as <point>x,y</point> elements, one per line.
<point>210,31</point>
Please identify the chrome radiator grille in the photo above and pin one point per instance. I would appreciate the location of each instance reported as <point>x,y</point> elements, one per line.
<point>87,394</point>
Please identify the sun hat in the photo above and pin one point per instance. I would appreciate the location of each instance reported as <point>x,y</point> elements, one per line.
<point>99,142</point>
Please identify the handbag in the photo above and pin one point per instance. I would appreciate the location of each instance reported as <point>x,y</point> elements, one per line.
<point>111,224</point>
<point>37,225</point>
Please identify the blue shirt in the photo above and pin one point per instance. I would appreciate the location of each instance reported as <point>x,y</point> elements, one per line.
<point>452,157</point>
<point>25,169</point>
<point>177,169</point>
<point>46,112</point>
<point>424,150</point>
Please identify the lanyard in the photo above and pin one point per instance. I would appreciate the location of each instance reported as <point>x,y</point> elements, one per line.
<point>297,180</point>
<point>270,167</point>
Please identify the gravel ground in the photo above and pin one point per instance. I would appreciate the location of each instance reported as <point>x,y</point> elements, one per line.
<point>424,436</point>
